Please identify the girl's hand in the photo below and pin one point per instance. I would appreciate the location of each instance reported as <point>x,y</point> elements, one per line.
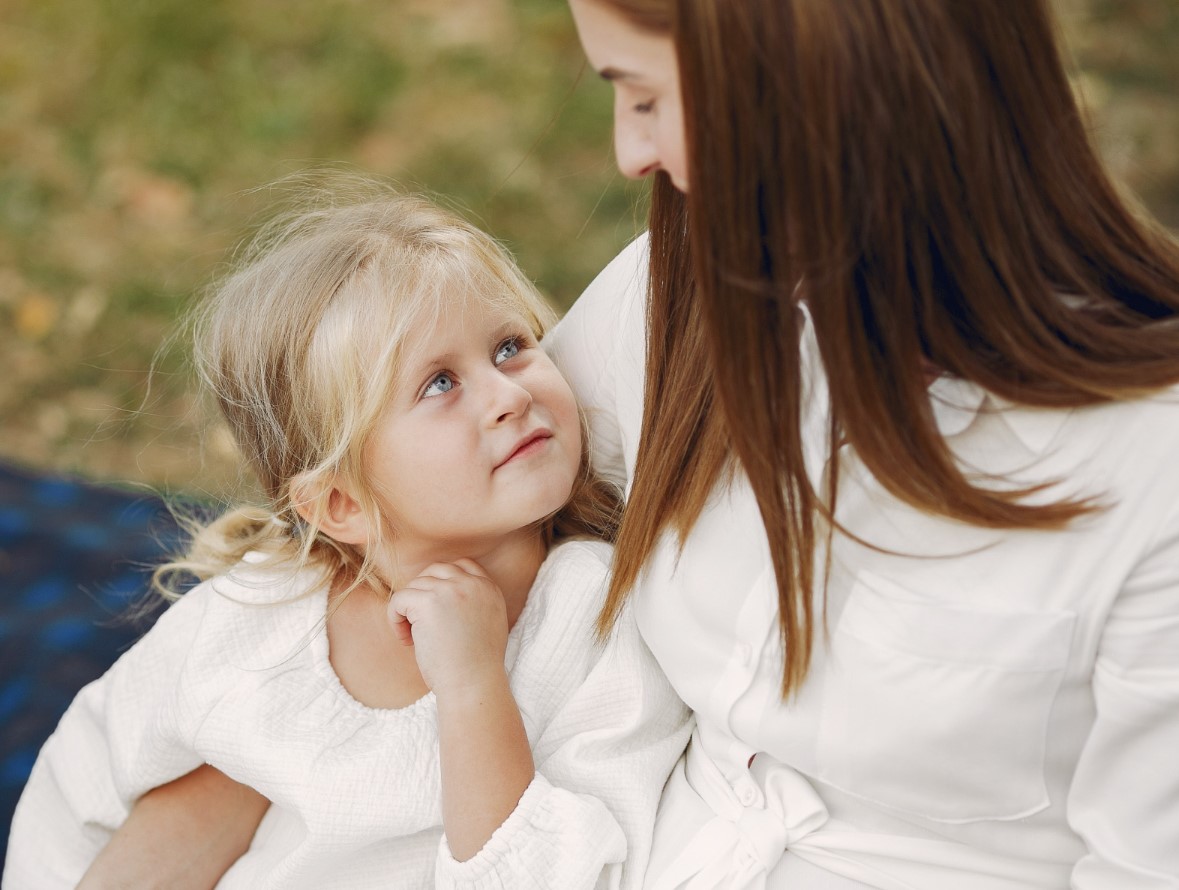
<point>455,617</point>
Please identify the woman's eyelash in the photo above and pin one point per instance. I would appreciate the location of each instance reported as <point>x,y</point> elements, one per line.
<point>645,107</point>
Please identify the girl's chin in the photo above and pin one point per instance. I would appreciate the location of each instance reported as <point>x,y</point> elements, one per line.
<point>551,503</point>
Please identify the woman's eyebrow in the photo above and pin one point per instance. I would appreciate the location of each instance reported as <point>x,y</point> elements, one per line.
<point>611,74</point>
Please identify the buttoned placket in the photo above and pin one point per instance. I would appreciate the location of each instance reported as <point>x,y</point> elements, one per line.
<point>756,622</point>
<point>757,626</point>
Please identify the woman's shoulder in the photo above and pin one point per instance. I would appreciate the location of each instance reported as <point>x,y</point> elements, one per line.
<point>1144,428</point>
<point>615,300</point>
<point>1120,452</point>
<point>1138,439</point>
<point>625,277</point>
<point>1162,408</point>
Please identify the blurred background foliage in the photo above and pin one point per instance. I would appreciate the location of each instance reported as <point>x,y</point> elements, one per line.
<point>134,135</point>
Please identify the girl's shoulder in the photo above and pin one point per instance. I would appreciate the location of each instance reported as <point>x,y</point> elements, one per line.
<point>260,607</point>
<point>579,559</point>
<point>568,591</point>
<point>579,550</point>
<point>263,579</point>
<point>553,647</point>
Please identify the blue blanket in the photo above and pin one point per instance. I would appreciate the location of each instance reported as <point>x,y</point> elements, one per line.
<point>74,562</point>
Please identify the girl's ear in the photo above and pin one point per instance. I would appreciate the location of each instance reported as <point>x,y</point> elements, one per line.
<point>328,505</point>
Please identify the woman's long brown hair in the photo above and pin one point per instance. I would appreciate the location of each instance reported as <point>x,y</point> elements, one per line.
<point>917,170</point>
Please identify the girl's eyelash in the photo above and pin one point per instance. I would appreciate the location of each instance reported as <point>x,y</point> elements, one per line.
<point>515,340</point>
<point>522,341</point>
<point>645,107</point>
<point>434,379</point>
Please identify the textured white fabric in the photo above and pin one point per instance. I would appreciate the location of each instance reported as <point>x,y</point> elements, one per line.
<point>237,674</point>
<point>990,709</point>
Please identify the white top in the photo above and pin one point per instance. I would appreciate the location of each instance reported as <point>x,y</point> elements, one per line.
<point>236,674</point>
<point>991,709</point>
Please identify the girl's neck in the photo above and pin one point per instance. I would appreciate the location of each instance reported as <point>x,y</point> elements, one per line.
<point>368,660</point>
<point>511,562</point>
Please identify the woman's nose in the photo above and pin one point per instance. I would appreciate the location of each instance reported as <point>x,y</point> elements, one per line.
<point>633,148</point>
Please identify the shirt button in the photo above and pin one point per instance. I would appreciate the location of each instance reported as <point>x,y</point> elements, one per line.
<point>747,795</point>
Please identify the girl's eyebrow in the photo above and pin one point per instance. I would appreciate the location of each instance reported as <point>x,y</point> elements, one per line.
<point>421,366</point>
<point>512,326</point>
<point>432,363</point>
<point>424,363</point>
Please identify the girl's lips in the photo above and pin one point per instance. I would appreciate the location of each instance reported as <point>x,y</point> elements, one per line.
<point>530,444</point>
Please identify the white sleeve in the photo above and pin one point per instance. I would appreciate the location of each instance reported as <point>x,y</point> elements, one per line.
<point>122,735</point>
<point>554,838</point>
<point>1124,799</point>
<point>587,818</point>
<point>600,347</point>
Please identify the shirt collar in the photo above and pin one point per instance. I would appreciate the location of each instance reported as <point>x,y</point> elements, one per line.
<point>957,402</point>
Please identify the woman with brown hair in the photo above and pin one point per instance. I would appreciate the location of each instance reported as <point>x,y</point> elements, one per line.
<point>893,390</point>
<point>896,411</point>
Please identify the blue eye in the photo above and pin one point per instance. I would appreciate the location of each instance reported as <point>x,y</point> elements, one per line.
<point>441,384</point>
<point>510,348</point>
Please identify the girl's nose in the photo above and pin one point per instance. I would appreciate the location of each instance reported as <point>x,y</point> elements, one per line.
<point>509,399</point>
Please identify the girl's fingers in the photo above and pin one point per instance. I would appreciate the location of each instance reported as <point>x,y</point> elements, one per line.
<point>404,633</point>
<point>443,571</point>
<point>396,611</point>
<point>470,567</point>
<point>449,571</point>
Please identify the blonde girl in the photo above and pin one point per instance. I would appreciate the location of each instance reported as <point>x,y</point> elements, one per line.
<point>397,651</point>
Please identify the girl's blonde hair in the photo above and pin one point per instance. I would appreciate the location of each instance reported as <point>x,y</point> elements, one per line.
<point>301,346</point>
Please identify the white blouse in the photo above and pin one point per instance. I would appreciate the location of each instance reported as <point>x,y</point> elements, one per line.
<point>988,709</point>
<point>237,674</point>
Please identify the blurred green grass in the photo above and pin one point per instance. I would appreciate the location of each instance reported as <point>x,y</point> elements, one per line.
<point>134,133</point>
